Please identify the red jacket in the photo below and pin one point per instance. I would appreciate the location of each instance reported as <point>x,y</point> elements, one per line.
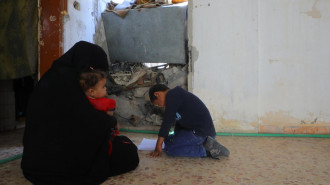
<point>103,104</point>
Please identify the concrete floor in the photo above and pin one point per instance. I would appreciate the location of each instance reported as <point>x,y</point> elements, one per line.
<point>253,160</point>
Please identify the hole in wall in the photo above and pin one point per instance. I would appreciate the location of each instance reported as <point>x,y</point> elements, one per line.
<point>129,85</point>
<point>142,39</point>
<point>76,5</point>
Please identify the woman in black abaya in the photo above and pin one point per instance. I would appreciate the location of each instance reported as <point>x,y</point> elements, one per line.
<point>66,140</point>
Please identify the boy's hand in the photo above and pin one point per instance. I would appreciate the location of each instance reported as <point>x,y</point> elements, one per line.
<point>156,153</point>
<point>159,148</point>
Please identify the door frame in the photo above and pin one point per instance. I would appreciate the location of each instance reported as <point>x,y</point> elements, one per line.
<point>50,32</point>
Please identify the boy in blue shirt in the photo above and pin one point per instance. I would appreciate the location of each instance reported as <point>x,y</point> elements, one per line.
<point>194,131</point>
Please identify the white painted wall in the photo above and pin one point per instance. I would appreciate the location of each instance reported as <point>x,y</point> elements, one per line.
<point>224,43</point>
<point>84,24</point>
<point>262,65</point>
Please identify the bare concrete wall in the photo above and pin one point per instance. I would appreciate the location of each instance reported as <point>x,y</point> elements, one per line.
<point>262,66</point>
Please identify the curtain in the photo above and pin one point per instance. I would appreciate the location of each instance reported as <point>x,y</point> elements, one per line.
<point>18,38</point>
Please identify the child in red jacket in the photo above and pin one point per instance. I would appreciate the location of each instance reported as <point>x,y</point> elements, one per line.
<point>93,83</point>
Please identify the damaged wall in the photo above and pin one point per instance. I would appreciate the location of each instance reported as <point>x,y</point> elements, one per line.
<point>83,22</point>
<point>265,62</point>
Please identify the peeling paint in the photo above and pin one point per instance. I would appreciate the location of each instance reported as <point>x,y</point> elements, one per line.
<point>52,18</point>
<point>306,130</point>
<point>274,122</point>
<point>41,43</point>
<point>280,118</point>
<point>76,5</point>
<point>226,125</point>
<point>194,54</point>
<point>64,12</point>
<point>283,118</point>
<point>314,121</point>
<point>270,129</point>
<point>315,13</point>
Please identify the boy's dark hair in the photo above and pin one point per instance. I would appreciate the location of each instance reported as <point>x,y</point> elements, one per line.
<point>88,78</point>
<point>156,88</point>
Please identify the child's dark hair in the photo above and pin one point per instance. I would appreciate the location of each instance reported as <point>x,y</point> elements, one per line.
<point>88,78</point>
<point>156,88</point>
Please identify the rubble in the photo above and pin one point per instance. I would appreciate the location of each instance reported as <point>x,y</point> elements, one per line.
<point>129,85</point>
<point>134,120</point>
<point>123,8</point>
<point>128,4</point>
<point>176,76</point>
<point>154,119</point>
<point>141,92</point>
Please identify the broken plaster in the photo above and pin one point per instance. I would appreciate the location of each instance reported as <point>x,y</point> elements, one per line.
<point>76,5</point>
<point>315,13</point>
<point>194,54</point>
<point>52,18</point>
<point>274,122</point>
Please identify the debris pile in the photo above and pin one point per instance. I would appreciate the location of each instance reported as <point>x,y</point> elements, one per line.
<point>123,7</point>
<point>129,85</point>
<point>129,4</point>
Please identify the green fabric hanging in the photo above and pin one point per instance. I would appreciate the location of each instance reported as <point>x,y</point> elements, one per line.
<point>18,38</point>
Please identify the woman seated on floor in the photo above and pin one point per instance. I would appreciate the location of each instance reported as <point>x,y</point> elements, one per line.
<point>66,140</point>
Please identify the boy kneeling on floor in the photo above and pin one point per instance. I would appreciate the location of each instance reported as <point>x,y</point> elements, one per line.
<point>194,133</point>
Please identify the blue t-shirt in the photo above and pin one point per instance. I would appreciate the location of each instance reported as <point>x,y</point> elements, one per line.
<point>188,111</point>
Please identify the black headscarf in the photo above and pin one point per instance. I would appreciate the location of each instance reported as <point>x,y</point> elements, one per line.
<point>66,139</point>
